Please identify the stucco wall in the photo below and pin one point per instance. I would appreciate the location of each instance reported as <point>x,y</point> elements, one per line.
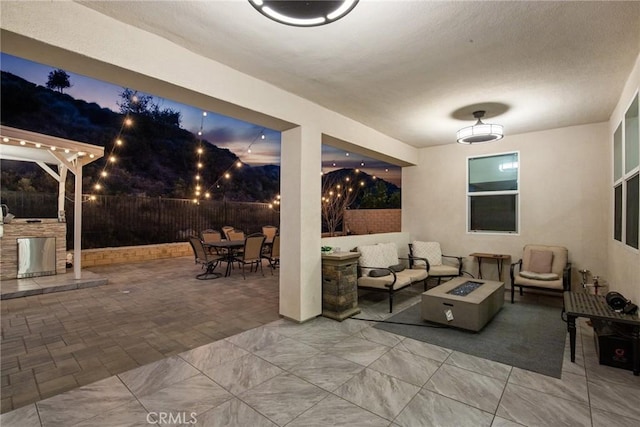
<point>564,194</point>
<point>623,261</point>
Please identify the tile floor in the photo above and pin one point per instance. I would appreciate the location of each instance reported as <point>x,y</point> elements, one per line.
<point>55,342</point>
<point>327,373</point>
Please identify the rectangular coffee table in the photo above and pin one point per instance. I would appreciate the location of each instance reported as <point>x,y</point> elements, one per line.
<point>446,304</point>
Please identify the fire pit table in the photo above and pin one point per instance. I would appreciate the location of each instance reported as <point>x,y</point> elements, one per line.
<point>463,303</point>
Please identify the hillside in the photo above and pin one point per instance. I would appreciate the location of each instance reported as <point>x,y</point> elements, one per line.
<point>158,157</point>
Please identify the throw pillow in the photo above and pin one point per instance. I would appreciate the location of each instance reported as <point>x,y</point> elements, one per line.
<point>379,272</point>
<point>540,261</point>
<point>390,253</point>
<point>396,268</point>
<point>429,250</point>
<point>539,276</point>
<point>371,256</point>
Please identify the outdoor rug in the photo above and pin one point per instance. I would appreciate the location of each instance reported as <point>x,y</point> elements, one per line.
<point>527,336</point>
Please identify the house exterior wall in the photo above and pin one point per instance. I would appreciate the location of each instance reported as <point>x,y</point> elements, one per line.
<point>564,194</point>
<point>80,40</point>
<point>623,261</point>
<point>566,173</point>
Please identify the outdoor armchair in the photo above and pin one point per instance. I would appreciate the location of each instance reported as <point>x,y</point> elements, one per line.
<point>428,255</point>
<point>542,267</point>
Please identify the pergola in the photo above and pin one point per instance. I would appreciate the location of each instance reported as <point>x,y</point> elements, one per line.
<point>65,155</point>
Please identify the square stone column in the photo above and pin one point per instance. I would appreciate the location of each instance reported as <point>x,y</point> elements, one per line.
<point>340,285</point>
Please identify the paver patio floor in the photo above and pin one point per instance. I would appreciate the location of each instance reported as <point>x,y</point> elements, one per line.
<point>148,311</point>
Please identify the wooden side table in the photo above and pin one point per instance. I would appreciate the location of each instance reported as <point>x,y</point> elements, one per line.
<point>499,261</point>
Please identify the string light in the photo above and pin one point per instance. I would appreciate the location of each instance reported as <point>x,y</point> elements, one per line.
<point>118,143</point>
<point>236,163</point>
<point>199,160</point>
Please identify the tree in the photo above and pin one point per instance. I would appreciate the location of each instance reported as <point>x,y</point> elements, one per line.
<point>380,197</point>
<point>338,194</point>
<point>134,103</point>
<point>58,80</point>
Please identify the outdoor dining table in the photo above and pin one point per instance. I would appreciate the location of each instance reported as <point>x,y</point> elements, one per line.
<point>229,245</point>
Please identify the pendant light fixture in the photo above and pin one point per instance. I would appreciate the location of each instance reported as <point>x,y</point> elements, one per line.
<point>480,132</point>
<point>304,13</point>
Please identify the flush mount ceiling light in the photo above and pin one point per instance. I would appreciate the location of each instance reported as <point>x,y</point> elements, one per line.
<point>301,13</point>
<point>480,132</point>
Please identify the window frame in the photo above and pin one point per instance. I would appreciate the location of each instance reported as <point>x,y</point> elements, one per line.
<point>470,194</point>
<point>622,181</point>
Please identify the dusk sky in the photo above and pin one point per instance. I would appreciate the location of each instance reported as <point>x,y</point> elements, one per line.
<point>223,131</point>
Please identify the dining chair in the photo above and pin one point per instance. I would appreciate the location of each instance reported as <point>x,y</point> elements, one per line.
<point>210,236</point>
<point>235,234</point>
<point>225,231</point>
<point>208,261</point>
<point>270,232</point>
<point>252,253</point>
<point>273,255</point>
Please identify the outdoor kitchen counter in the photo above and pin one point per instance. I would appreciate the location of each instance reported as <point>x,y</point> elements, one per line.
<point>19,228</point>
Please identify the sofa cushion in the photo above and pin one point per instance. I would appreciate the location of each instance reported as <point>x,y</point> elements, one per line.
<point>385,282</point>
<point>414,275</point>
<point>390,253</point>
<point>429,250</point>
<point>540,261</point>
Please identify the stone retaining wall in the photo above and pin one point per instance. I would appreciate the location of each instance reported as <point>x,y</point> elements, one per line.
<point>125,254</point>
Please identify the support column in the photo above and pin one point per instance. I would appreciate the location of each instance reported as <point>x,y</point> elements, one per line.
<point>62,171</point>
<point>300,224</point>
<point>77,223</point>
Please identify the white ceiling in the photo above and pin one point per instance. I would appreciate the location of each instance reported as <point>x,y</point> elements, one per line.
<point>416,70</point>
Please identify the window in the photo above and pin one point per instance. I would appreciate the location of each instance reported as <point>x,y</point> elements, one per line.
<point>492,193</point>
<point>626,160</point>
<point>631,226</point>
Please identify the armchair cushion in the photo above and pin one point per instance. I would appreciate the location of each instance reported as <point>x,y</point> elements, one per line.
<point>540,262</point>
<point>443,270</point>
<point>558,263</point>
<point>539,276</point>
<point>429,250</point>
